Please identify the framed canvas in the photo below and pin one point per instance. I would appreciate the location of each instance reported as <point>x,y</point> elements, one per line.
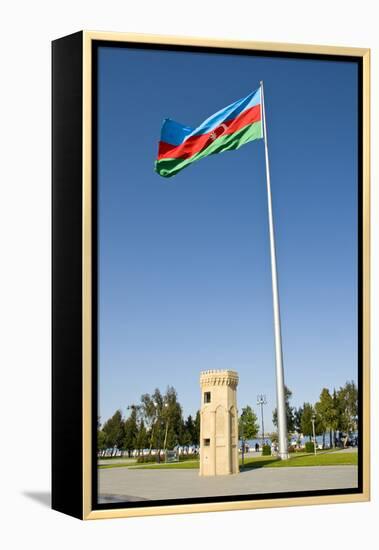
<point>210,275</point>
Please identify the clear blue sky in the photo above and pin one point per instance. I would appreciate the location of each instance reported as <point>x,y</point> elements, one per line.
<point>184,265</point>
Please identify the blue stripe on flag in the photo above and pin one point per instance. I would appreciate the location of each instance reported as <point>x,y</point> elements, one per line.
<point>229,112</point>
<point>175,133</point>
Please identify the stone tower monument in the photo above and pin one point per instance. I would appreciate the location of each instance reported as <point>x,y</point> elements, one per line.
<point>218,423</point>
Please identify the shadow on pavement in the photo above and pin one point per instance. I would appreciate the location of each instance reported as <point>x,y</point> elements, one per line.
<point>255,465</point>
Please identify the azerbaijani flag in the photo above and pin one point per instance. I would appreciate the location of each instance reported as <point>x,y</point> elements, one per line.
<point>226,130</point>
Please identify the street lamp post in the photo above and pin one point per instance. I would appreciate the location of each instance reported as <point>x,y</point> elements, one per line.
<point>261,400</point>
<point>314,433</point>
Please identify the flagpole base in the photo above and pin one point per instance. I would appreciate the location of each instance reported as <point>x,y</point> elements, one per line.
<point>284,455</point>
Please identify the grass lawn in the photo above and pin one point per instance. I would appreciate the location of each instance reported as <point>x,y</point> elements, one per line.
<point>321,459</point>
<point>324,458</point>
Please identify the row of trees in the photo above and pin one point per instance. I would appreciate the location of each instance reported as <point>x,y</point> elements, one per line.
<point>156,422</point>
<point>334,412</point>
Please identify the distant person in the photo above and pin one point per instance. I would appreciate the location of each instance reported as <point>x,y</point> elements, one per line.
<point>256,447</point>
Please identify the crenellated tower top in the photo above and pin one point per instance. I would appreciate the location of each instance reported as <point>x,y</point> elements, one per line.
<point>220,377</point>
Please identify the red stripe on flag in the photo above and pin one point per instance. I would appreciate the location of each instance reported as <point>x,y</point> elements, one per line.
<point>194,144</point>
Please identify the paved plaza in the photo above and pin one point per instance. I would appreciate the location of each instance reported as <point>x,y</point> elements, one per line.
<point>123,484</point>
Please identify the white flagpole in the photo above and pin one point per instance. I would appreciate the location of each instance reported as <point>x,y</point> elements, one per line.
<point>280,389</point>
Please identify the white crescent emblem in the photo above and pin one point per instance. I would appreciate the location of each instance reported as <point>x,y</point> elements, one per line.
<point>216,133</point>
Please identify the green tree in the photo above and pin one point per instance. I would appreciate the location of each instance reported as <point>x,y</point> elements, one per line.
<point>162,414</point>
<point>298,414</point>
<point>142,440</point>
<point>327,412</point>
<point>306,421</point>
<point>347,407</point>
<point>186,437</point>
<point>189,431</point>
<point>290,412</point>
<point>189,425</point>
<point>101,445</point>
<point>196,435</point>
<point>172,417</point>
<point>101,440</point>
<point>131,431</point>
<point>114,431</point>
<point>149,410</point>
<point>248,426</point>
